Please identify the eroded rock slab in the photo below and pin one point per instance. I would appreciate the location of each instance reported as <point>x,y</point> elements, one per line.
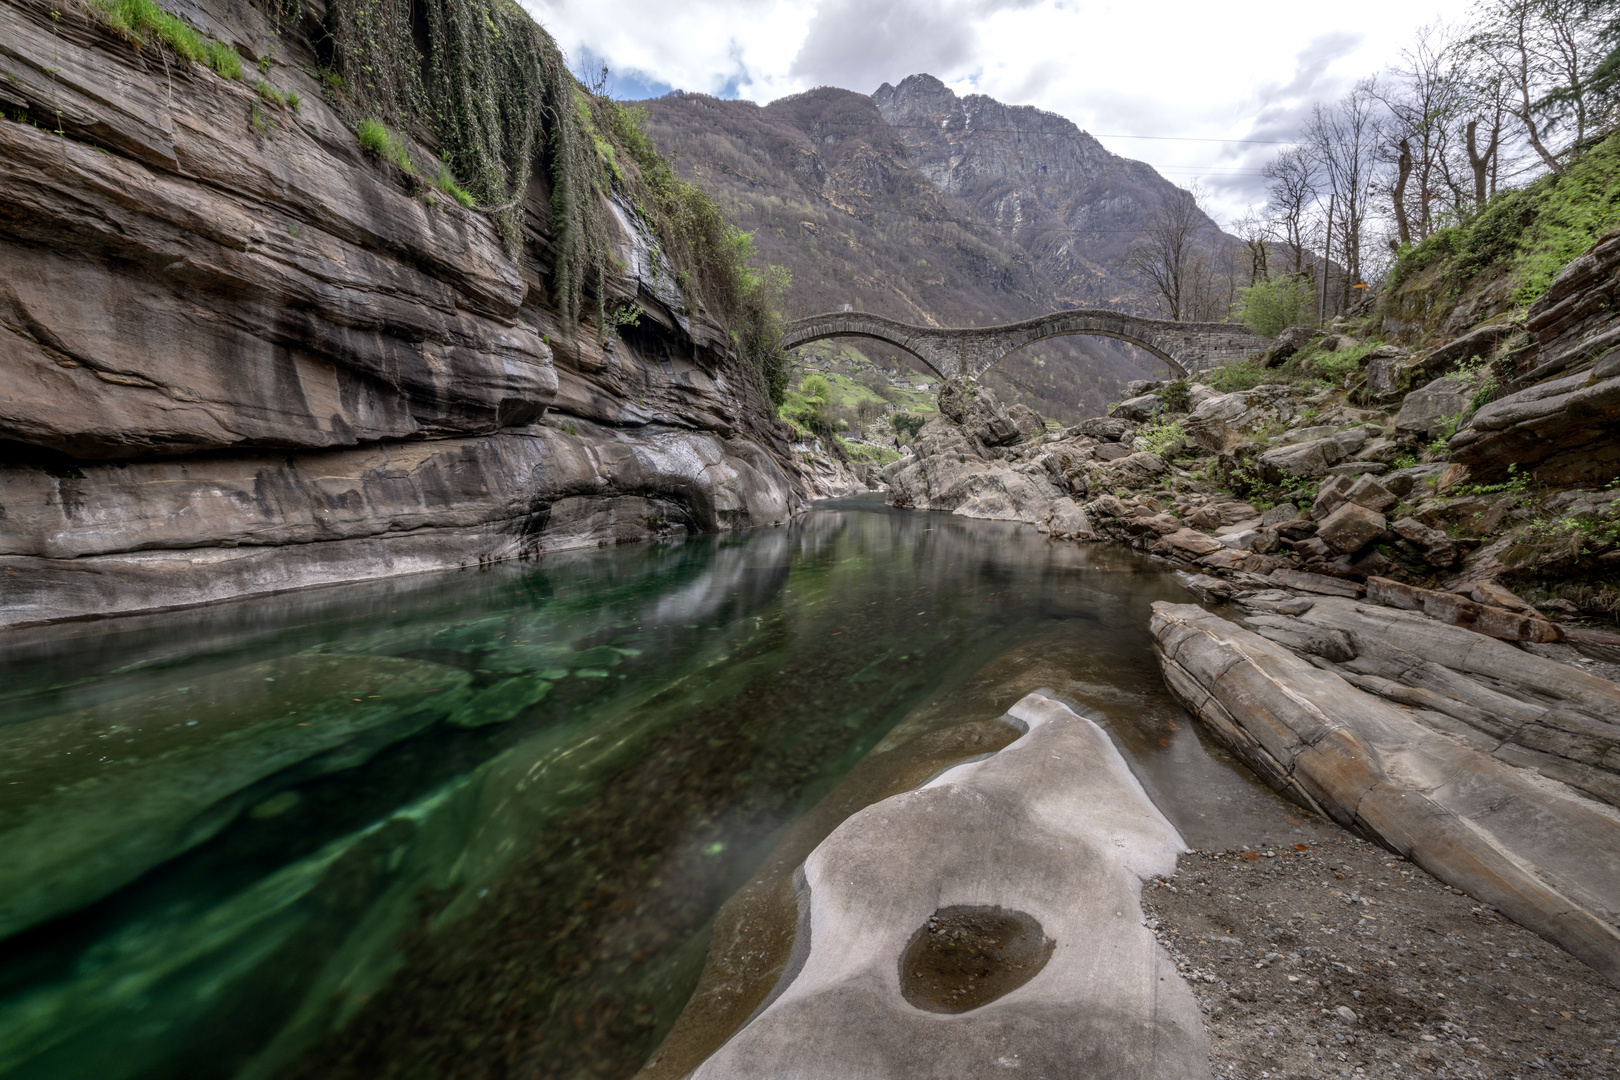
<point>1541,852</point>
<point>1053,833</point>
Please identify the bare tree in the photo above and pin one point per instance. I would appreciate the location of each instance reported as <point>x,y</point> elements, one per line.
<point>1161,258</point>
<point>1290,194</point>
<point>1256,233</point>
<point>1544,52</point>
<point>1423,94</point>
<point>1344,139</point>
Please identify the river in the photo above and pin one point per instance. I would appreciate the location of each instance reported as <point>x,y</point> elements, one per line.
<point>480,823</point>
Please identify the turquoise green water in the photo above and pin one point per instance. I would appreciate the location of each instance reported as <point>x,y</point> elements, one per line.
<point>477,823</point>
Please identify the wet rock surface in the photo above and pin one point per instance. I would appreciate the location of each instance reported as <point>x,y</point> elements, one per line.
<point>1330,957</point>
<point>966,957</point>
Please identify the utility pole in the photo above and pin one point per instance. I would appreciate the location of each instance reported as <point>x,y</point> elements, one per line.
<point>1327,263</point>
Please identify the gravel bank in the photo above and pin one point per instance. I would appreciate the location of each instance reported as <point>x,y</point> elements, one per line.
<point>1337,959</point>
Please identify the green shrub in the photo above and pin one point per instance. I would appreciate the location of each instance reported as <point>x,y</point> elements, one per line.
<point>1163,438</point>
<point>1242,375</point>
<point>142,20</point>
<point>1176,396</point>
<point>1527,234</point>
<point>1270,307</point>
<point>223,59</point>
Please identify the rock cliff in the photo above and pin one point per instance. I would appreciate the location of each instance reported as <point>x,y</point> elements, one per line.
<point>1035,177</point>
<point>238,353</point>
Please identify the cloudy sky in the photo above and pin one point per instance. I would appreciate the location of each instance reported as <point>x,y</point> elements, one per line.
<point>1186,74</point>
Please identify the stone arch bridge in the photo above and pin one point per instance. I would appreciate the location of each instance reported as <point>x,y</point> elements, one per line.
<point>951,352</point>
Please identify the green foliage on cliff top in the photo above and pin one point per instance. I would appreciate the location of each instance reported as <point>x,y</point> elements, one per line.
<point>495,95</point>
<point>142,21</point>
<point>1530,233</point>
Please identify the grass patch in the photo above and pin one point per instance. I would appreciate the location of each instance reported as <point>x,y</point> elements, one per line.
<point>447,184</point>
<point>142,21</point>
<point>380,143</point>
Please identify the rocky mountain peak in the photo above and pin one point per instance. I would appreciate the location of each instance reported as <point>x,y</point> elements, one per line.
<point>1034,176</point>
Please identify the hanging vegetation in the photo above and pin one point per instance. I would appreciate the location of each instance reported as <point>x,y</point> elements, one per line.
<point>494,94</point>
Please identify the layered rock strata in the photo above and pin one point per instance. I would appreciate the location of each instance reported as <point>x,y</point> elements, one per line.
<point>1562,422</point>
<point>237,354</point>
<point>1463,753</point>
<point>1052,832</point>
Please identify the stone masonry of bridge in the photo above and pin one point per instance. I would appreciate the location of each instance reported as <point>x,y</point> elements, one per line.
<point>950,352</point>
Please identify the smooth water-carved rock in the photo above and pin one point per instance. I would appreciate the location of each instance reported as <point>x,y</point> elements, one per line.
<point>1054,827</point>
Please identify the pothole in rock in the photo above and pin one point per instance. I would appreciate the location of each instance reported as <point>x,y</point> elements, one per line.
<point>966,957</point>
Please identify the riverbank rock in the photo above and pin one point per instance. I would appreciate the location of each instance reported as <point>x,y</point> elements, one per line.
<point>945,472</point>
<point>244,357</point>
<point>1049,839</point>
<point>1410,740</point>
<point>976,409</point>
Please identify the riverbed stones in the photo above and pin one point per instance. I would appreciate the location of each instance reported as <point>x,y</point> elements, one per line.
<point>1055,828</point>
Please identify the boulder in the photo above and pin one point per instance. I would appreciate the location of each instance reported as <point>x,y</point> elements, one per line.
<point>1563,431</point>
<point>1368,492</point>
<point>1187,543</point>
<point>1480,342</point>
<point>1320,584</point>
<point>1289,342</point>
<point>1330,496</point>
<point>1436,547</point>
<point>1301,461</point>
<point>1351,440</point>
<point>1496,622</point>
<point>1404,481</point>
<point>1543,855</point>
<point>1139,409</point>
<point>1053,835</point>
<point>1351,528</point>
<point>1426,412</point>
<point>1105,428</point>
<point>975,408</point>
<point>1143,386</point>
<point>1026,420</point>
<point>1220,424</point>
<point>1280,514</point>
<point>1112,452</point>
<point>1387,372</point>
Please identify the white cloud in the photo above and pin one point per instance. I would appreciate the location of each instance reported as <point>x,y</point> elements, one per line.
<point>1181,69</point>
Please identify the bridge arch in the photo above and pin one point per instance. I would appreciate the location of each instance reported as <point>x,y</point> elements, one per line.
<point>953,352</point>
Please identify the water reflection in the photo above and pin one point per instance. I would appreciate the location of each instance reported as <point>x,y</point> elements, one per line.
<point>481,821</point>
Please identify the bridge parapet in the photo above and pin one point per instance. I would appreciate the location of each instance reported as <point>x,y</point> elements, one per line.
<point>954,351</point>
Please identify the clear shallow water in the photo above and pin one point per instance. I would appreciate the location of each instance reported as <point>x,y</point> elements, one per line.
<point>478,823</point>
